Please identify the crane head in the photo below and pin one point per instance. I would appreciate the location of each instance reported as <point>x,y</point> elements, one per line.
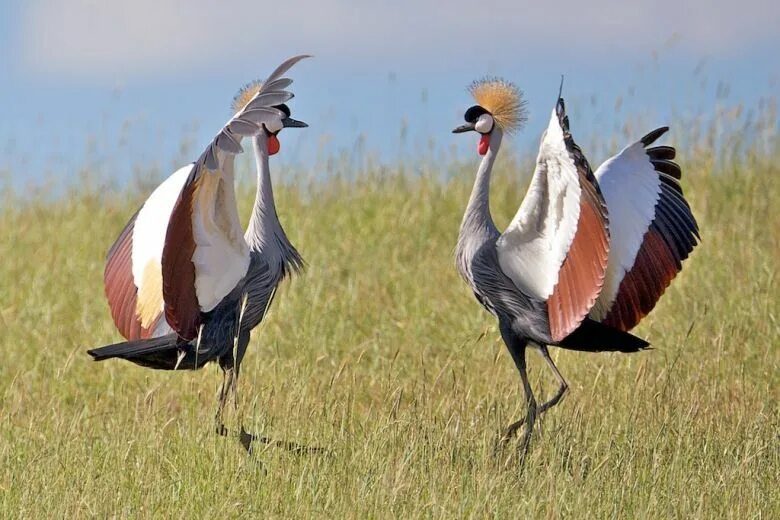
<point>479,120</point>
<point>273,128</point>
<point>500,104</point>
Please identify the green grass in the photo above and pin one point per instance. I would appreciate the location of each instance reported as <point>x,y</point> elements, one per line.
<point>380,353</point>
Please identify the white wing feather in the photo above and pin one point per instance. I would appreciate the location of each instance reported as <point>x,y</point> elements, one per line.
<point>534,245</point>
<point>631,189</point>
<point>150,228</point>
<point>221,254</point>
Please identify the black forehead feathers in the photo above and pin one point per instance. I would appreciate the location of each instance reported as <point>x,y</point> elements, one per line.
<point>284,108</point>
<point>473,113</point>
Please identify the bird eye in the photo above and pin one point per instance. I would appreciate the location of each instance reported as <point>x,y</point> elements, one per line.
<point>484,124</point>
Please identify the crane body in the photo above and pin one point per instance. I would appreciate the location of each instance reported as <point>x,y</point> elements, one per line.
<point>186,285</point>
<point>578,266</point>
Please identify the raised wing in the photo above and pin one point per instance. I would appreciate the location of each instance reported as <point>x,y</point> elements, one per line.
<point>652,228</point>
<point>205,254</point>
<point>133,277</point>
<point>556,247</point>
<point>121,291</point>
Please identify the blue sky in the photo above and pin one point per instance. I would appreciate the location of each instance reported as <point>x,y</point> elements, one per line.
<point>118,86</point>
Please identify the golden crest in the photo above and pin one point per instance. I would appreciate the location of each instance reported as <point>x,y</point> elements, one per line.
<point>503,100</point>
<point>246,94</point>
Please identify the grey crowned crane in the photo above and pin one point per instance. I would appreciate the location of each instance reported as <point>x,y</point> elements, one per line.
<point>587,255</point>
<point>185,283</point>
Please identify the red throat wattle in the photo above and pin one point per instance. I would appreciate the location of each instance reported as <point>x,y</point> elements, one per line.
<point>273,145</point>
<point>484,144</point>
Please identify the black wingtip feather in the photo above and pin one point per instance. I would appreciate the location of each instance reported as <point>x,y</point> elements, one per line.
<point>654,135</point>
<point>560,111</point>
<point>671,183</point>
<point>668,167</point>
<point>560,89</point>
<point>662,152</point>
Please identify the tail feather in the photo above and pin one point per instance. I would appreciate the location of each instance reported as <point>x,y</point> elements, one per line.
<point>161,353</point>
<point>134,348</point>
<point>592,336</point>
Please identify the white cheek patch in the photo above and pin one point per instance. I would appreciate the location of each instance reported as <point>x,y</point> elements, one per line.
<point>484,124</point>
<point>274,126</point>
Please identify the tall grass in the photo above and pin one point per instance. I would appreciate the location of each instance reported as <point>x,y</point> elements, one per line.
<point>380,353</point>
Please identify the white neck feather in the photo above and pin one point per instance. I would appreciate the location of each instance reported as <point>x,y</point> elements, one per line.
<point>265,233</point>
<point>477,216</point>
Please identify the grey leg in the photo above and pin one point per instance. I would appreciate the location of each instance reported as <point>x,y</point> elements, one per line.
<point>511,430</point>
<point>563,385</point>
<point>228,383</point>
<point>243,342</point>
<point>221,405</point>
<point>246,438</point>
<point>517,348</point>
<point>530,417</point>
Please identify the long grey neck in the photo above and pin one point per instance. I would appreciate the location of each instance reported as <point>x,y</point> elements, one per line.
<point>477,218</point>
<point>265,233</point>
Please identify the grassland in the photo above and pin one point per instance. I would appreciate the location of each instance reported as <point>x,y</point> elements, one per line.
<point>380,353</point>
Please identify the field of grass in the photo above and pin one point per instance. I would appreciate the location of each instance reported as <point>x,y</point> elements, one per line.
<point>380,353</point>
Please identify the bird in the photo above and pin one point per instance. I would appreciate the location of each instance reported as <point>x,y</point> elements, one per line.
<point>185,284</point>
<point>586,256</point>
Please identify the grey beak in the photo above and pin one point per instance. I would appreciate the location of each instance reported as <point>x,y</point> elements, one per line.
<point>468,127</point>
<point>289,122</point>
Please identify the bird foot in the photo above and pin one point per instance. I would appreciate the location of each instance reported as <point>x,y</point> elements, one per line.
<point>244,437</point>
<point>507,435</point>
<point>248,439</point>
